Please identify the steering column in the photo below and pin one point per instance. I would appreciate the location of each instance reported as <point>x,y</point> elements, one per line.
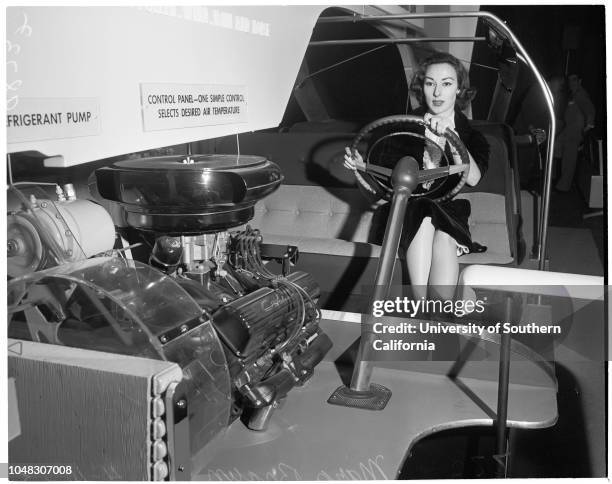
<point>404,178</point>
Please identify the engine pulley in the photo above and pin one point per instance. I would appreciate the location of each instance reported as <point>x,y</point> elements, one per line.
<point>25,252</point>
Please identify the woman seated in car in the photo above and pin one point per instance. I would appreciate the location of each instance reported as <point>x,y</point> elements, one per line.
<point>436,234</point>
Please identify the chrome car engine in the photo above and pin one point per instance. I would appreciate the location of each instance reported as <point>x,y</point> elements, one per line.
<point>201,296</point>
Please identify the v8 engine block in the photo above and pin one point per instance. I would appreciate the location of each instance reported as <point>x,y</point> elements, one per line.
<point>198,294</point>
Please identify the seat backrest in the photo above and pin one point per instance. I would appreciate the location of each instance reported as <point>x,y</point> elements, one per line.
<point>313,211</point>
<point>502,158</point>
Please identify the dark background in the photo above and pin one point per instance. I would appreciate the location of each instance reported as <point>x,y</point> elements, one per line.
<point>356,83</point>
<point>553,36</point>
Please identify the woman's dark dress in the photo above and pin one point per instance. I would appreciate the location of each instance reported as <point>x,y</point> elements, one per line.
<point>449,216</point>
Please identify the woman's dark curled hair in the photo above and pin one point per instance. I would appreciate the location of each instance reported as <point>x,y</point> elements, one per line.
<point>466,93</point>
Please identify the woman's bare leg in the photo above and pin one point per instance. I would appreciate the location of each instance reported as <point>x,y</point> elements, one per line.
<point>444,266</point>
<point>418,258</point>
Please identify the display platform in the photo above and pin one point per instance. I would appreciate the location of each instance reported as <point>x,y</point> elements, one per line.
<point>309,439</point>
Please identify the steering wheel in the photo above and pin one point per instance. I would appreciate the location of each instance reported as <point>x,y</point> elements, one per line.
<point>381,176</point>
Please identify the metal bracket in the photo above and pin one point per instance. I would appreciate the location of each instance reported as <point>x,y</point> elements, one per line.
<point>375,398</point>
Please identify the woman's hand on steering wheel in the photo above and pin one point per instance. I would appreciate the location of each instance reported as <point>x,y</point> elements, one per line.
<point>354,161</point>
<point>437,124</point>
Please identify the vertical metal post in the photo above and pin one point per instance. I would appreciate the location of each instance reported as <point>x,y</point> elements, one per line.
<point>384,274</point>
<point>362,393</point>
<point>536,226</point>
<point>537,202</point>
<point>501,448</point>
<point>404,180</point>
<point>10,169</point>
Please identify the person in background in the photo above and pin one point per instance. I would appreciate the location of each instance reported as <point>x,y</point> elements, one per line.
<point>533,112</point>
<point>578,118</point>
<point>437,233</point>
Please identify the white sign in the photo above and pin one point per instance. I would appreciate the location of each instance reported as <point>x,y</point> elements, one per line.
<point>213,16</point>
<point>172,106</point>
<point>33,119</point>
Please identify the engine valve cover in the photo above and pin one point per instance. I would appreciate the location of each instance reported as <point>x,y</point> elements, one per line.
<point>253,322</point>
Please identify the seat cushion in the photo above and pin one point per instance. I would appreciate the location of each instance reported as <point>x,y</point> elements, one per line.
<point>337,222</point>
